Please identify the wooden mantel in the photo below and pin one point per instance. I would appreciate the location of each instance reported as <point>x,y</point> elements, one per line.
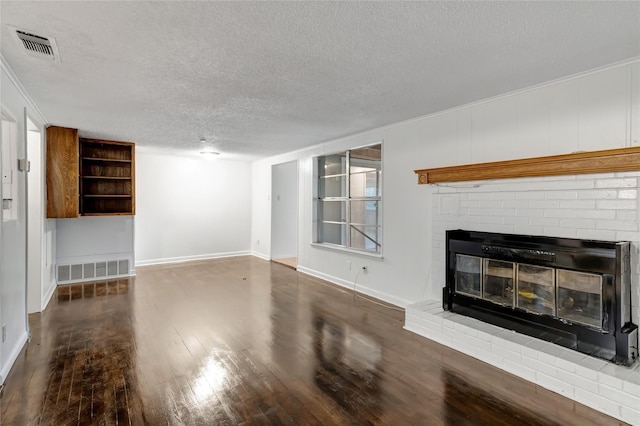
<point>611,160</point>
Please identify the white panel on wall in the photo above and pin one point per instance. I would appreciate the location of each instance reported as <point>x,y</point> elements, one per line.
<point>464,132</point>
<point>533,123</point>
<point>634,125</point>
<point>501,130</point>
<point>563,117</point>
<point>603,109</point>
<point>478,139</point>
<point>439,134</point>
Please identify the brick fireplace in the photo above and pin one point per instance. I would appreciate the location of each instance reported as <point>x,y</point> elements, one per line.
<point>599,206</point>
<point>571,292</point>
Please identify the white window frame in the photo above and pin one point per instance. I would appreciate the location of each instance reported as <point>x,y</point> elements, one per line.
<point>347,223</point>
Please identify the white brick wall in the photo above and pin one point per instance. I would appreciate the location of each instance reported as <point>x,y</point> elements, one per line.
<point>596,206</point>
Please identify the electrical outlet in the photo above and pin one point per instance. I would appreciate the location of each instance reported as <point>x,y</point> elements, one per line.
<point>4,333</point>
<point>348,265</point>
<point>257,242</point>
<point>365,270</point>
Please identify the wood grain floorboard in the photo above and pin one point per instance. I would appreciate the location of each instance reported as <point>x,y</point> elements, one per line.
<point>244,341</point>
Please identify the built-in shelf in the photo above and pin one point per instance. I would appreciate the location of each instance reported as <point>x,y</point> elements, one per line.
<point>88,177</point>
<point>106,177</point>
<point>106,196</point>
<point>612,160</point>
<point>110,160</point>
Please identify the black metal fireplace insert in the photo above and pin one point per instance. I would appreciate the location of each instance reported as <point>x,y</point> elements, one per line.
<point>575,293</point>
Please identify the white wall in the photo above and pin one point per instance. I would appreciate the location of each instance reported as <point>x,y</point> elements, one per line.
<point>89,239</point>
<point>190,208</point>
<point>13,306</point>
<point>284,210</point>
<point>588,112</point>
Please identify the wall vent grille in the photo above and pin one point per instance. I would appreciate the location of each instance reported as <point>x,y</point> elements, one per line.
<point>76,272</point>
<point>92,271</point>
<point>89,270</point>
<point>36,45</point>
<point>101,269</point>
<point>64,273</point>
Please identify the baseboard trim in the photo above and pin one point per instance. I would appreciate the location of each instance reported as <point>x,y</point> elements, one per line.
<point>180,259</point>
<point>47,297</point>
<point>13,356</point>
<point>260,255</point>
<point>359,288</point>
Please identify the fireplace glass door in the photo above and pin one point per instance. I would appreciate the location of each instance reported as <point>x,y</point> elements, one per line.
<point>468,275</point>
<point>499,278</point>
<point>580,297</point>
<point>536,289</point>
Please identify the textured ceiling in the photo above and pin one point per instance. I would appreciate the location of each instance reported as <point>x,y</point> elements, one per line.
<point>262,78</point>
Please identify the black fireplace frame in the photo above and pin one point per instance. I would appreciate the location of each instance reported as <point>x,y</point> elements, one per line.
<point>616,341</point>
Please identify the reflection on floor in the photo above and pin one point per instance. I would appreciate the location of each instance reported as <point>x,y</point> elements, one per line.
<point>291,262</point>
<point>244,341</point>
<point>92,289</point>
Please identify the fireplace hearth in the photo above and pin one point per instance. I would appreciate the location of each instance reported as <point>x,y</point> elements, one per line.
<point>575,293</point>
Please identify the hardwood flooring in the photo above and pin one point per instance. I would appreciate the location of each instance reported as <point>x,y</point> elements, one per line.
<point>246,341</point>
<point>291,262</point>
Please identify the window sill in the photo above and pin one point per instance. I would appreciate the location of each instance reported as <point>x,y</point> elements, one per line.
<point>346,250</point>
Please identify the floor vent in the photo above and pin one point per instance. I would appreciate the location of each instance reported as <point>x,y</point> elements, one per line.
<point>92,271</point>
<point>36,45</point>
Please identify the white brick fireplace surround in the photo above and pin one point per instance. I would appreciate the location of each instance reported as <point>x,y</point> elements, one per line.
<point>597,206</point>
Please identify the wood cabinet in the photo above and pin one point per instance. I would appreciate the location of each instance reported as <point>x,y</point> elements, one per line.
<point>88,177</point>
<point>62,172</point>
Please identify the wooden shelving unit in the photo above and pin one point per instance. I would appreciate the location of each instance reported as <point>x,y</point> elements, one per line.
<point>107,181</point>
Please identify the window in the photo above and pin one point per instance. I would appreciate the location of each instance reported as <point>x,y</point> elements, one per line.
<point>348,202</point>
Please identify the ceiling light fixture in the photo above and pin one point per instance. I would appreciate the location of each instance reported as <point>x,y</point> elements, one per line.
<point>206,149</point>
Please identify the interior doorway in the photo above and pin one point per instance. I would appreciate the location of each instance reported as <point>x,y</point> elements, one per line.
<point>36,227</point>
<point>284,213</point>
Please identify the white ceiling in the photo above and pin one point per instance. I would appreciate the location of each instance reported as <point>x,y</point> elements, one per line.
<point>262,78</point>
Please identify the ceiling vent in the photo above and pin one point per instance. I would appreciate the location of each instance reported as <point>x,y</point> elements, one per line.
<point>36,45</point>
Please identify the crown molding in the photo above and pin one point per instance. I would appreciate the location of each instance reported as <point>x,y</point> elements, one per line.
<point>33,108</point>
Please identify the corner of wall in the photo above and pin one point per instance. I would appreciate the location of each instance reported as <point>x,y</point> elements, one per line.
<point>11,359</point>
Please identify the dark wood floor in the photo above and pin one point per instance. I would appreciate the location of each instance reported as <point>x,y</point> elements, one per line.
<point>245,341</point>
